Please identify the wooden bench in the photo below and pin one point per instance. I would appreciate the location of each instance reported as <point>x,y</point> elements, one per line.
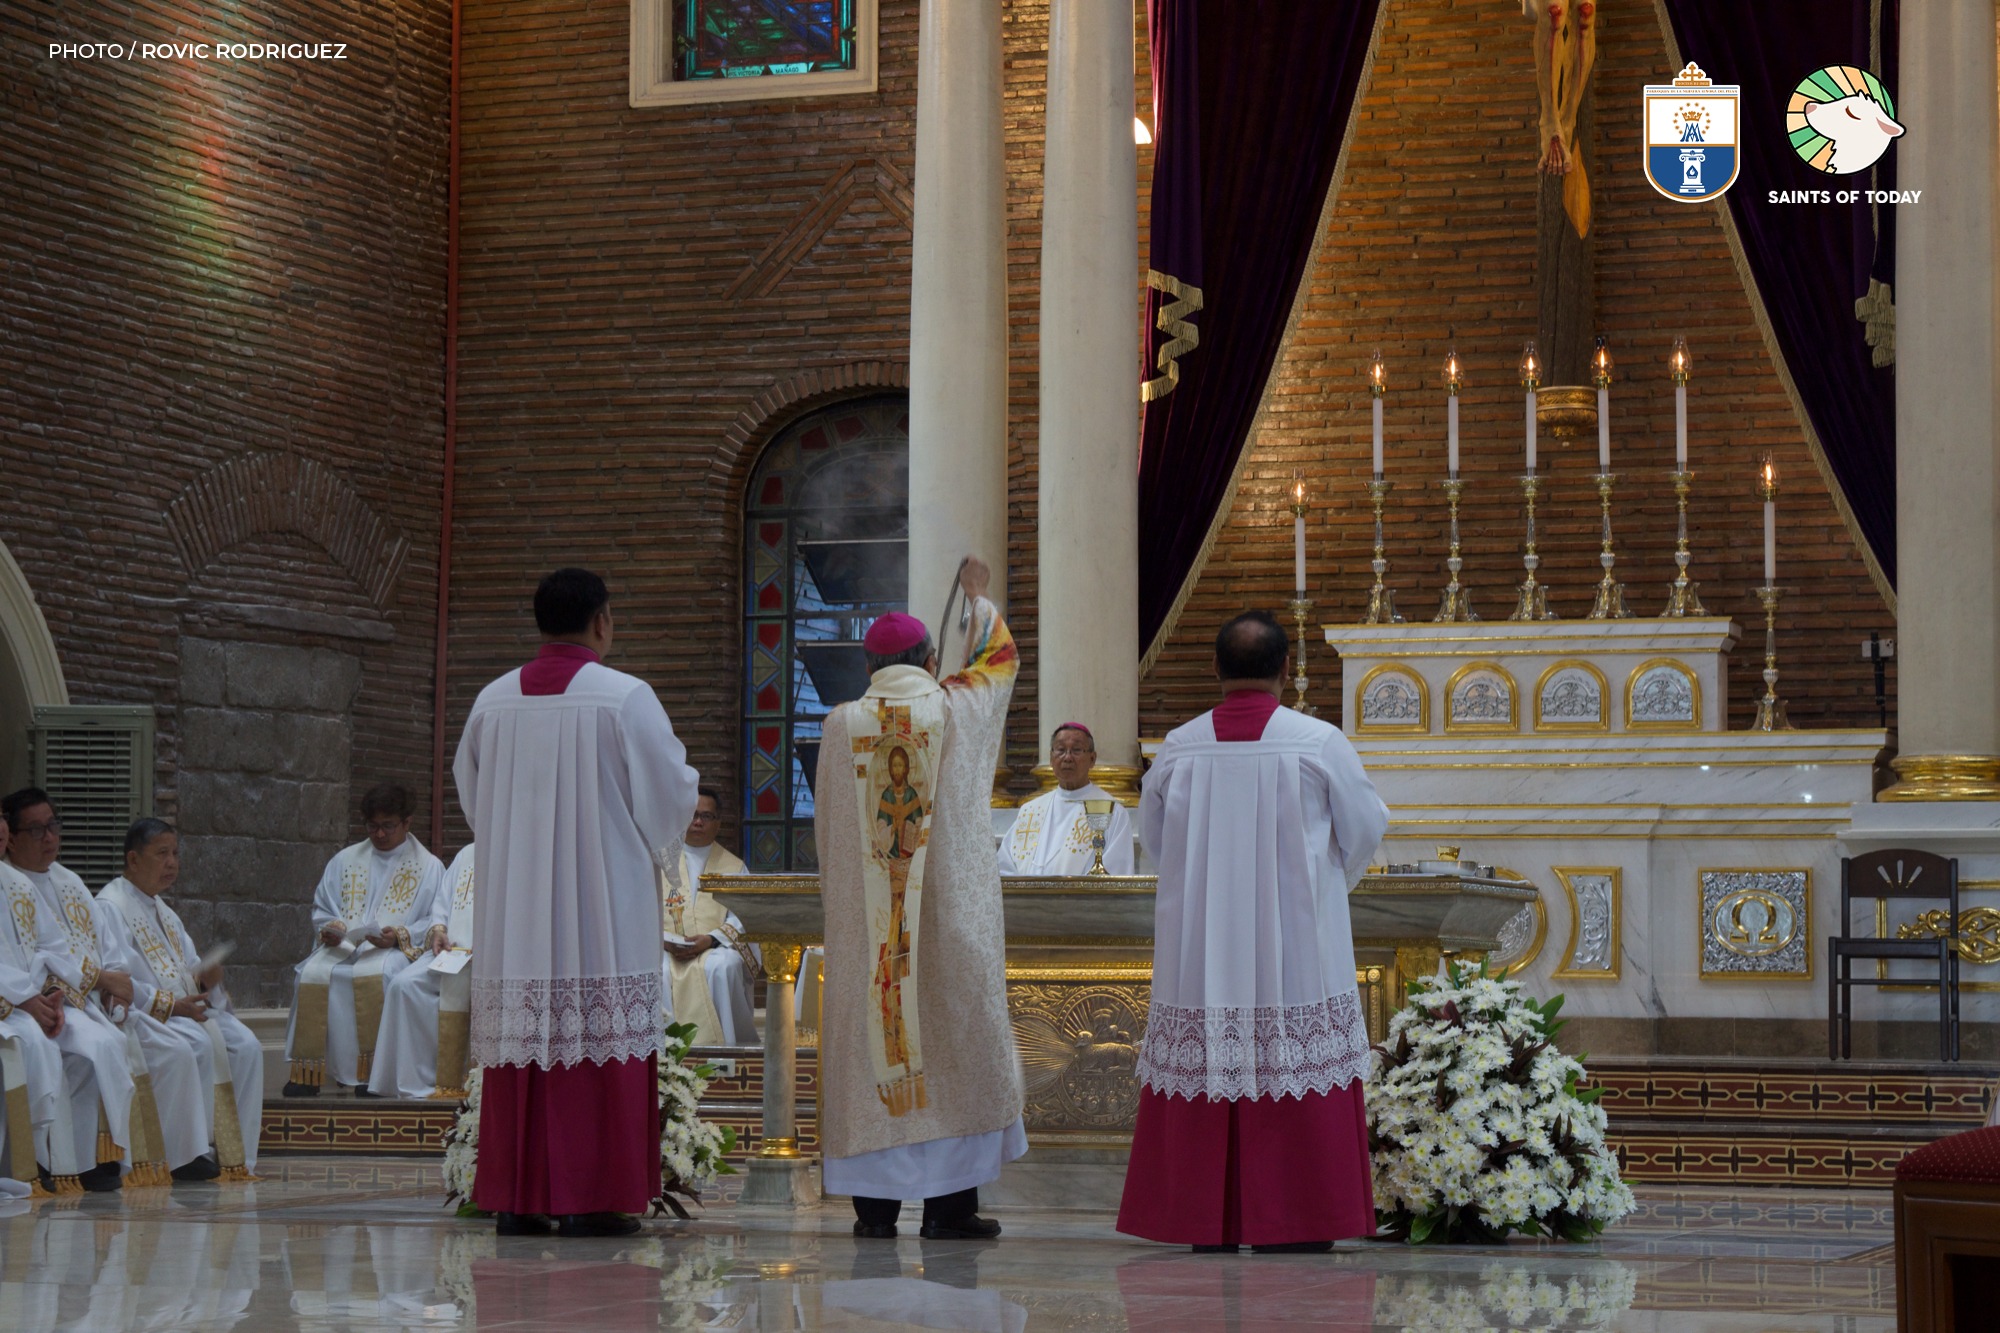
<point>1948,1235</point>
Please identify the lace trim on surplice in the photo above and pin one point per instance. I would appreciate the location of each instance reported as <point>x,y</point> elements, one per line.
<point>566,1022</point>
<point>1244,1051</point>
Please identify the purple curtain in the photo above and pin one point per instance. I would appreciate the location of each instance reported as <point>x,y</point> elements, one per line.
<point>1812,261</point>
<point>1250,102</point>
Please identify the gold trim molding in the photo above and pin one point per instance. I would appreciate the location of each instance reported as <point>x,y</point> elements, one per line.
<point>1944,777</point>
<point>1615,946</point>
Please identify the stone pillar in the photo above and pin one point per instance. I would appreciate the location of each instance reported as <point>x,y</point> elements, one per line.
<point>958,306</point>
<point>1947,444</point>
<point>1087,530</point>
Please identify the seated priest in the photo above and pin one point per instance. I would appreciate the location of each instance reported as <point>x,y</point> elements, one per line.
<point>39,1127</point>
<point>376,903</point>
<point>170,983</point>
<point>427,1008</point>
<point>1052,835</point>
<point>708,968</point>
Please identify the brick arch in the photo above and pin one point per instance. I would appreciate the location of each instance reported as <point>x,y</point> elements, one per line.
<point>789,399</point>
<point>257,493</point>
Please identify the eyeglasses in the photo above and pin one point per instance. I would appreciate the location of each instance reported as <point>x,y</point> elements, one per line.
<point>385,826</point>
<point>1069,754</point>
<point>39,830</point>
<point>706,817</point>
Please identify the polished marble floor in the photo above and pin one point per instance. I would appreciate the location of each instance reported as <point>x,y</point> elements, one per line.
<point>350,1244</point>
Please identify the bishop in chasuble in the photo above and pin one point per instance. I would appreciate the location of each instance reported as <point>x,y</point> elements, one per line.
<point>920,1087</point>
<point>375,902</point>
<point>170,984</point>
<point>422,1046</point>
<point>49,1094</point>
<point>1251,1126</point>
<point>708,966</point>
<point>1052,834</point>
<point>576,787</point>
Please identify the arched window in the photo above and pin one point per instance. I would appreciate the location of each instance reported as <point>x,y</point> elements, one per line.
<point>826,550</point>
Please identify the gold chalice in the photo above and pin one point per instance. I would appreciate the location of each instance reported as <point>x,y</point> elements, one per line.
<point>1097,814</point>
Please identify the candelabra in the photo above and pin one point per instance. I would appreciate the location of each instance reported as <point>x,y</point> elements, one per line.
<point>1684,598</point>
<point>1770,708</point>
<point>1533,602</point>
<point>1610,603</point>
<point>1300,607</point>
<point>1381,599</point>
<point>1456,604</point>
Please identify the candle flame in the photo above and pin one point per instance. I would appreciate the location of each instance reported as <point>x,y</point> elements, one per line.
<point>1600,360</point>
<point>1682,359</point>
<point>1531,366</point>
<point>1377,372</point>
<point>1452,378</point>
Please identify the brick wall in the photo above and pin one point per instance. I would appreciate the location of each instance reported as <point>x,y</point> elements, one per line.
<point>221,421</point>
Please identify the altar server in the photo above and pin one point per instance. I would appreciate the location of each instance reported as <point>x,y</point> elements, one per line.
<point>1052,833</point>
<point>708,967</point>
<point>376,902</point>
<point>170,984</point>
<point>75,961</point>
<point>575,784</point>
<point>1251,1127</point>
<point>427,1009</point>
<point>43,1085</point>
<point>920,1085</point>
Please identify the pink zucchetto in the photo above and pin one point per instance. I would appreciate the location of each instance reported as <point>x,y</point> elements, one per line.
<point>893,633</point>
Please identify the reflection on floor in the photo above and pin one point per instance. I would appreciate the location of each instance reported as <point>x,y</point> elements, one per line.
<point>354,1244</point>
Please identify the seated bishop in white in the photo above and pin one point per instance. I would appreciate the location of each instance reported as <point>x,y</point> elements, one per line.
<point>40,1136</point>
<point>376,902</point>
<point>427,1010</point>
<point>1052,833</point>
<point>707,968</point>
<point>170,984</point>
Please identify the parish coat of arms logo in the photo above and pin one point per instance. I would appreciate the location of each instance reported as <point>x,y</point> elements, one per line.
<point>1691,136</point>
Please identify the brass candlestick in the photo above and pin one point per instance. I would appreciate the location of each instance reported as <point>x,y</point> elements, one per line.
<point>1300,606</point>
<point>1684,597</point>
<point>1610,603</point>
<point>1381,599</point>
<point>1456,604</point>
<point>1770,708</point>
<point>1533,602</point>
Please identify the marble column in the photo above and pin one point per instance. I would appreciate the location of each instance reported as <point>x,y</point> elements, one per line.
<point>1947,412</point>
<point>1087,619</point>
<point>958,307</point>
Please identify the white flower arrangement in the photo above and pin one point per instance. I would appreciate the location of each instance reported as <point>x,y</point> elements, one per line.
<point>692,1152</point>
<point>1507,1296</point>
<point>1476,1126</point>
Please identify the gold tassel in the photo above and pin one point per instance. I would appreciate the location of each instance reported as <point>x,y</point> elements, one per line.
<point>37,1190</point>
<point>364,1068</point>
<point>107,1150</point>
<point>237,1175</point>
<point>68,1185</point>
<point>308,1072</point>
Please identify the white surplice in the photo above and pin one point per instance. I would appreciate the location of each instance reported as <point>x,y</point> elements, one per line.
<point>90,1032</point>
<point>55,1082</point>
<point>161,956</point>
<point>573,798</point>
<point>363,887</point>
<point>406,1049</point>
<point>724,1012</point>
<point>1051,836</point>
<point>1258,843</point>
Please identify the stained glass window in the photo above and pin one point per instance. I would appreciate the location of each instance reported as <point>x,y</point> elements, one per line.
<point>826,550</point>
<point>732,39</point>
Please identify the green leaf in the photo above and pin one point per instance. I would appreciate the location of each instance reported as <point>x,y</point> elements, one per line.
<point>1421,1227</point>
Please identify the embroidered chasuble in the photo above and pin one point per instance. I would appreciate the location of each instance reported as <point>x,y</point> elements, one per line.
<point>337,1015</point>
<point>686,913</point>
<point>915,1041</point>
<point>1052,836</point>
<point>37,1098</point>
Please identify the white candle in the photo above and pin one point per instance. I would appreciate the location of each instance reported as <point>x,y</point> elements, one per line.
<point>1299,554</point>
<point>1681,427</point>
<point>1604,430</point>
<point>1531,431</point>
<point>1451,434</point>
<point>1771,540</point>
<point>1376,403</point>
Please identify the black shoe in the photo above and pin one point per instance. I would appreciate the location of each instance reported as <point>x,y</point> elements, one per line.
<point>522,1224</point>
<point>302,1090</point>
<point>963,1228</point>
<point>100,1179</point>
<point>875,1230</point>
<point>1217,1249</point>
<point>1295,1247</point>
<point>596,1224</point>
<point>371,1096</point>
<point>201,1168</point>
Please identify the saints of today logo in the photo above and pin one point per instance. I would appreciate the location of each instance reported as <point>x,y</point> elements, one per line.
<point>1841,120</point>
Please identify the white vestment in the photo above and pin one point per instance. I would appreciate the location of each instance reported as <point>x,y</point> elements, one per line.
<point>53,1082</point>
<point>1258,843</point>
<point>1051,836</point>
<point>719,999</point>
<point>156,948</point>
<point>361,889</point>
<point>406,1051</point>
<point>573,798</point>
<point>88,1030</point>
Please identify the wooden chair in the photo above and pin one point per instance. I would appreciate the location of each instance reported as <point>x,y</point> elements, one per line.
<point>1896,873</point>
<point>1948,1234</point>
